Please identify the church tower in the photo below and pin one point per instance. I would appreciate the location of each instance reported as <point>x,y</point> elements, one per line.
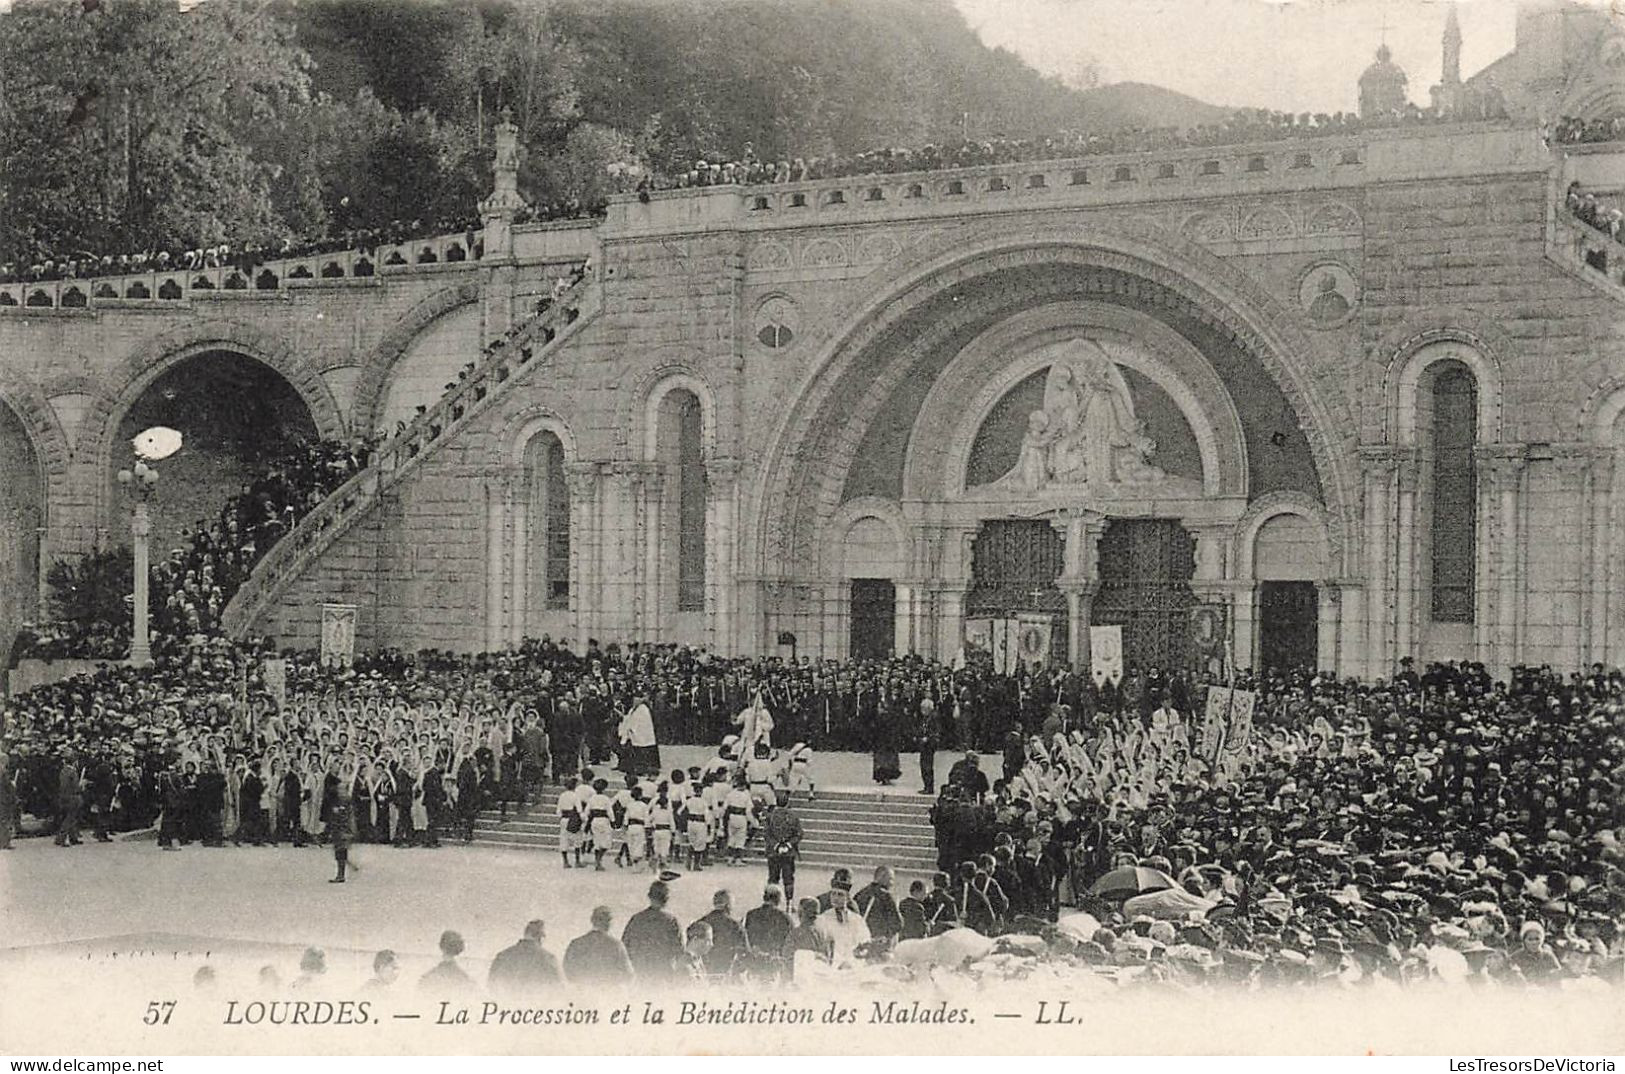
<point>1447,95</point>
<point>1382,87</point>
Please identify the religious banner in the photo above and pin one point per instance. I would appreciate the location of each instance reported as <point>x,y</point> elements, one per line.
<point>979,634</point>
<point>1241,715</point>
<point>1215,720</point>
<point>338,635</point>
<point>1005,637</point>
<point>1106,654</point>
<point>1033,638</point>
<point>275,673</point>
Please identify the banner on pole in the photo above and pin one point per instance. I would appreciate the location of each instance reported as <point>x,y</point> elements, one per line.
<point>1215,720</point>
<point>275,673</point>
<point>338,635</point>
<point>1033,638</point>
<point>1106,654</point>
<point>979,634</point>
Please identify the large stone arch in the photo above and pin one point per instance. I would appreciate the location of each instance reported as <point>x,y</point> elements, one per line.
<point>39,421</point>
<point>1224,296</point>
<point>376,366</point>
<point>136,373</point>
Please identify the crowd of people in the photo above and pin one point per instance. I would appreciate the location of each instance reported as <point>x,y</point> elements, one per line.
<point>1239,128</point>
<point>1572,130</point>
<point>1600,211</point>
<point>191,586</point>
<point>1376,830</point>
<point>85,265</point>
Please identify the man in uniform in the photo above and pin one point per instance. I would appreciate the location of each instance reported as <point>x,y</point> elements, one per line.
<point>341,827</point>
<point>781,839</point>
<point>69,796</point>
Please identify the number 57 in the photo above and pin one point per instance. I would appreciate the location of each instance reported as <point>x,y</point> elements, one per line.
<point>158,1012</point>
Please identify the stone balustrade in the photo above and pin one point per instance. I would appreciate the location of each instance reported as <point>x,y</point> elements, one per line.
<point>1180,172</point>
<point>177,285</point>
<point>1595,253</point>
<point>541,335</point>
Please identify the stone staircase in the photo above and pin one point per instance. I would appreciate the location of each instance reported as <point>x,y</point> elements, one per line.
<point>531,345</point>
<point>854,829</point>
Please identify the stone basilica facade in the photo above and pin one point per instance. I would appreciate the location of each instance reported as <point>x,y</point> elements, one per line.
<point>1325,401</point>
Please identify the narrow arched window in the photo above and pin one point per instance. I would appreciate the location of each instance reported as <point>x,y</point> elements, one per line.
<point>548,546</point>
<point>1454,399</point>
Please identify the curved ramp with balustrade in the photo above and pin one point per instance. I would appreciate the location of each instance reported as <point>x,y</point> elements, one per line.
<point>533,343</point>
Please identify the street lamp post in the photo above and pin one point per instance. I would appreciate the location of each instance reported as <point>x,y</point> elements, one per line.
<point>141,483</point>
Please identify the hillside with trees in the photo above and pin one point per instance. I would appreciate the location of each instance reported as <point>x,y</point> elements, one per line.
<point>129,124</point>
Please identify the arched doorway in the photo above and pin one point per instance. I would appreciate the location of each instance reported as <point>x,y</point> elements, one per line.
<point>1289,561</point>
<point>22,515</point>
<point>871,562</point>
<point>237,416</point>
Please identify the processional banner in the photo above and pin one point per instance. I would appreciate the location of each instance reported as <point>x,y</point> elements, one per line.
<point>275,674</point>
<point>1033,635</point>
<point>338,635</point>
<point>1106,654</point>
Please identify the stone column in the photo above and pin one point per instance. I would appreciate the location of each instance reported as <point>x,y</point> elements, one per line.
<point>1213,582</point>
<point>721,492</point>
<point>1329,625</point>
<point>1405,553</point>
<point>902,630</point>
<point>1569,606</point>
<point>496,495</point>
<point>1600,560</point>
<point>648,484</point>
<point>1500,474</point>
<point>1080,599</point>
<point>833,617</point>
<point>951,621</point>
<point>518,503</point>
<point>582,479</point>
<point>1380,463</point>
<point>140,532</point>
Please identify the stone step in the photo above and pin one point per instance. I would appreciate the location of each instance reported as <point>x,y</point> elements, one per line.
<point>856,826</point>
<point>812,863</point>
<point>903,840</point>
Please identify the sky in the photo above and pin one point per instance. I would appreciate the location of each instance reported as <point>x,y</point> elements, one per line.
<point>1298,56</point>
